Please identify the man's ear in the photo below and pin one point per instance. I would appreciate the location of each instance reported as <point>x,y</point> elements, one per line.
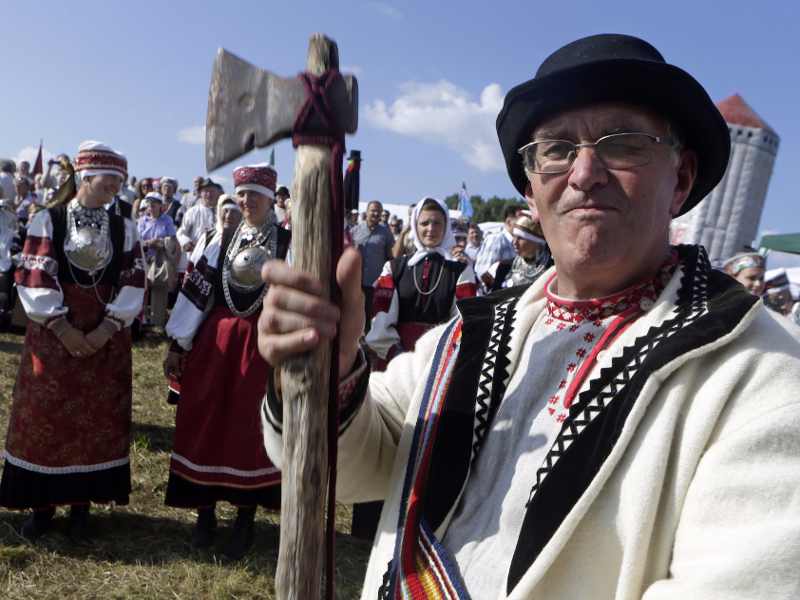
<point>531,202</point>
<point>687,174</point>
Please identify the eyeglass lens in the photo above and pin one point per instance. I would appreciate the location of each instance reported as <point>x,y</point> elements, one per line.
<point>619,151</point>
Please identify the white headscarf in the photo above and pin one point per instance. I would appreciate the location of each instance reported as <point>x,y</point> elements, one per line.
<point>422,250</point>
<point>225,201</point>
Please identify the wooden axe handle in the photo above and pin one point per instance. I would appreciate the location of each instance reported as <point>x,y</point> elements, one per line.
<point>304,379</point>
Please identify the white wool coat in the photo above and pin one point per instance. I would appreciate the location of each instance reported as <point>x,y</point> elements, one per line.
<point>699,496</point>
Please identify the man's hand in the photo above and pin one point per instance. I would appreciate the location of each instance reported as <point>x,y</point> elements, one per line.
<point>173,366</point>
<point>97,338</point>
<point>76,344</point>
<point>188,246</point>
<point>294,317</point>
<point>458,254</point>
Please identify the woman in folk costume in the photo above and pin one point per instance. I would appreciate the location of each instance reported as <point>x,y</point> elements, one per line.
<point>414,293</point>
<point>533,257</point>
<point>417,292</point>
<point>228,212</point>
<point>218,452</point>
<point>228,215</point>
<point>81,282</point>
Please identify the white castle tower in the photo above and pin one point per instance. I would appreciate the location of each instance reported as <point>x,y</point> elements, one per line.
<point>728,217</point>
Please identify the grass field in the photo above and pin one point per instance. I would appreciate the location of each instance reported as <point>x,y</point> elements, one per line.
<point>142,550</point>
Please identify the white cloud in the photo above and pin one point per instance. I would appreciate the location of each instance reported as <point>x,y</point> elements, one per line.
<point>384,9</point>
<point>351,70</point>
<point>30,153</point>
<point>225,182</point>
<point>441,113</point>
<point>193,135</point>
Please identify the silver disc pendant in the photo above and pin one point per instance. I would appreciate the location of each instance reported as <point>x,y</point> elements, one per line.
<point>245,269</point>
<point>89,250</point>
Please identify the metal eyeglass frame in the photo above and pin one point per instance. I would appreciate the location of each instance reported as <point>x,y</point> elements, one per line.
<point>574,154</point>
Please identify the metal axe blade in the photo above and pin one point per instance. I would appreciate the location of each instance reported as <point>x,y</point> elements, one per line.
<point>249,108</point>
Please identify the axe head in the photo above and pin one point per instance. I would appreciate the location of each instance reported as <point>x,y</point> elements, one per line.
<point>251,108</point>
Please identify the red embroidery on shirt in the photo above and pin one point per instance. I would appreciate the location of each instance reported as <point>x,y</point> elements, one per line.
<point>554,400</point>
<point>561,417</point>
<point>581,352</point>
<point>574,328</point>
<point>571,367</point>
<point>551,411</point>
<point>576,311</point>
<point>588,338</point>
<point>563,384</point>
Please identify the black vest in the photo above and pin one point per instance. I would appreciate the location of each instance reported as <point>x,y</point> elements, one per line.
<point>434,308</point>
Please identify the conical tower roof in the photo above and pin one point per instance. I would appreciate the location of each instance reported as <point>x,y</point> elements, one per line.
<point>736,111</point>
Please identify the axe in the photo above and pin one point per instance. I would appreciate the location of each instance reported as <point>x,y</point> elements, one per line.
<point>249,107</point>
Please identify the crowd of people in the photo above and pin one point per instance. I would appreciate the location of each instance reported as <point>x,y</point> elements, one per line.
<point>570,386</point>
<point>88,258</point>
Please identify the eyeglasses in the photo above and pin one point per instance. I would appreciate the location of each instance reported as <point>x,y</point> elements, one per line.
<point>617,151</point>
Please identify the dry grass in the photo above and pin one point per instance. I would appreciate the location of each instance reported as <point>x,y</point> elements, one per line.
<point>142,550</point>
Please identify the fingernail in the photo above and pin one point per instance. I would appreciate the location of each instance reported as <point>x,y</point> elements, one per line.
<point>309,336</point>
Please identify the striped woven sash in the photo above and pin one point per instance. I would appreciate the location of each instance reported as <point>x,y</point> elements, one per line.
<point>420,569</point>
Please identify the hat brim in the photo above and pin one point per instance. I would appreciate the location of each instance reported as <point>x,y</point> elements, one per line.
<point>660,87</point>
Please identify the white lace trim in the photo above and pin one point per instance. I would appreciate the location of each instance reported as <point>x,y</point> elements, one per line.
<point>45,263</point>
<point>64,470</point>
<point>226,470</point>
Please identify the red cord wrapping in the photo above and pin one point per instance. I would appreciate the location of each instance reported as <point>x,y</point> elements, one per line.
<point>318,100</point>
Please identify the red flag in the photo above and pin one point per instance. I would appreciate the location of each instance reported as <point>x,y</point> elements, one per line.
<point>37,166</point>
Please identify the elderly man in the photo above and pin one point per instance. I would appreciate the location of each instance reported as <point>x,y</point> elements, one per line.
<point>196,221</point>
<point>499,246</point>
<point>374,241</point>
<point>192,199</point>
<point>626,427</point>
<point>199,218</point>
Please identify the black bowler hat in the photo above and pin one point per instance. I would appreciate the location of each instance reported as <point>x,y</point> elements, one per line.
<point>616,68</point>
<point>355,155</point>
<point>207,182</point>
<point>282,190</point>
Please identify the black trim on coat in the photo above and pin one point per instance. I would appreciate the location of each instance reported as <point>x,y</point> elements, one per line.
<point>597,419</point>
<point>464,419</point>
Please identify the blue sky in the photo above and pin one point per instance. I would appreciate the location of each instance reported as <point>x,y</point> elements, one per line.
<point>432,76</point>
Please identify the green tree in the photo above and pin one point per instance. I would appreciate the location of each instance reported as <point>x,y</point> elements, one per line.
<point>492,209</point>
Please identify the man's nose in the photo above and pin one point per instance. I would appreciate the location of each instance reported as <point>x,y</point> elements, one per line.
<point>587,169</point>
